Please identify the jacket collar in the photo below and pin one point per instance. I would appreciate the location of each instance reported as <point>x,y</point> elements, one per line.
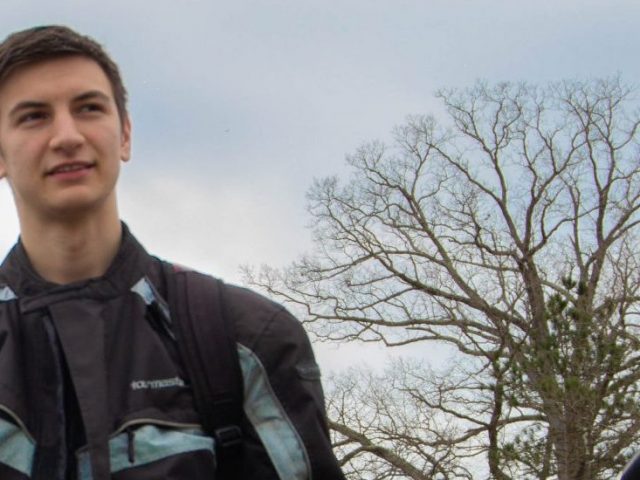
<point>130,263</point>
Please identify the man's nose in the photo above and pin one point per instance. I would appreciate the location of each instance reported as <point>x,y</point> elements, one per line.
<point>66,137</point>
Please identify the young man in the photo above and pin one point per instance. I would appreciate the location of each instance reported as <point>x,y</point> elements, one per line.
<point>92,382</point>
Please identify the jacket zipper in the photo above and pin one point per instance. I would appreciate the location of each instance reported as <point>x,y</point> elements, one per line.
<point>129,429</point>
<point>131,447</point>
<point>152,421</point>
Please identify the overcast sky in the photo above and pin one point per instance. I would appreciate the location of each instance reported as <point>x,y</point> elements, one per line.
<point>237,106</point>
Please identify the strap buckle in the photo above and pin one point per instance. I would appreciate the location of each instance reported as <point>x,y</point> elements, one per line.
<point>228,437</point>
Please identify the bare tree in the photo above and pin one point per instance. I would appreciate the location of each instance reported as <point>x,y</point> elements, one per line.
<point>384,425</point>
<point>510,234</point>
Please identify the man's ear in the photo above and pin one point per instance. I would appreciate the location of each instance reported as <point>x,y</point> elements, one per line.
<point>125,144</point>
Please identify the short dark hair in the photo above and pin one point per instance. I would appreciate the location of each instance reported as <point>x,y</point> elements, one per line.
<point>54,41</point>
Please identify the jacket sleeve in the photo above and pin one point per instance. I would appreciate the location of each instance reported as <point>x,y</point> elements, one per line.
<point>284,402</point>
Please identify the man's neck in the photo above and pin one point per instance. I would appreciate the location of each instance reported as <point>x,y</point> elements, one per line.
<point>67,252</point>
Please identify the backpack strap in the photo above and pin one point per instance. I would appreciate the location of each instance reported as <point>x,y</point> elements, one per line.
<point>207,347</point>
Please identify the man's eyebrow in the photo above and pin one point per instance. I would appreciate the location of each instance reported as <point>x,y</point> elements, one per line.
<point>26,104</point>
<point>92,94</point>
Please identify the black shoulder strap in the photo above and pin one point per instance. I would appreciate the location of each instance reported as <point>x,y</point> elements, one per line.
<point>207,346</point>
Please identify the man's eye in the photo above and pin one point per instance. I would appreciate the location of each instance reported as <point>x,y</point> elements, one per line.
<point>91,107</point>
<point>31,117</point>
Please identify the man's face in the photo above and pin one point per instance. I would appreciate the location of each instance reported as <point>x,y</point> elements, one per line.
<point>61,138</point>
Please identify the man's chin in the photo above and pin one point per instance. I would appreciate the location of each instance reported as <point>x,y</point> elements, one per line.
<point>75,208</point>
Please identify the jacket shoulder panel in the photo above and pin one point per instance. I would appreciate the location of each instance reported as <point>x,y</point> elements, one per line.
<point>280,349</point>
<point>6,294</point>
<point>258,319</point>
<point>270,420</point>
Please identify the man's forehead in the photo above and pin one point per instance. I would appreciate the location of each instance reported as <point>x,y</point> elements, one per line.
<point>63,76</point>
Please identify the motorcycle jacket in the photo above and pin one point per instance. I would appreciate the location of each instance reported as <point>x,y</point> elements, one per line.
<point>92,385</point>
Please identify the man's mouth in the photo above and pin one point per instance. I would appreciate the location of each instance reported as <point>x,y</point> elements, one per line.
<point>69,167</point>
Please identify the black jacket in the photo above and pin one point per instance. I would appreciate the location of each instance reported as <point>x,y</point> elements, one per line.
<point>91,386</point>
